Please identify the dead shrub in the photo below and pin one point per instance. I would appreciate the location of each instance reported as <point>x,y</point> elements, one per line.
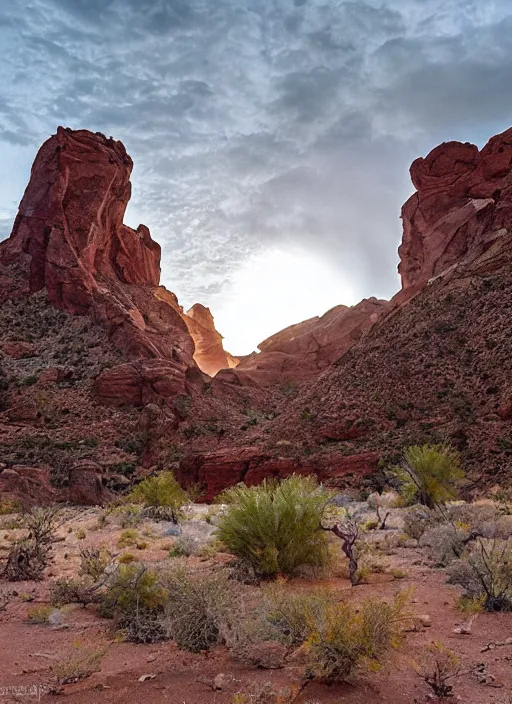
<point>439,665</point>
<point>78,666</point>
<point>28,557</point>
<point>266,693</point>
<point>485,571</point>
<point>199,611</point>
<point>446,542</point>
<point>74,591</point>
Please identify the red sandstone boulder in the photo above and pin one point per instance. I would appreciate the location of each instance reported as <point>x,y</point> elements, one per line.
<point>19,350</point>
<point>87,485</point>
<point>24,409</point>
<point>54,375</point>
<point>215,471</point>
<point>29,485</point>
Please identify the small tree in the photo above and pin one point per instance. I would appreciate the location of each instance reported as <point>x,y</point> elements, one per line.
<point>348,532</point>
<point>430,474</point>
<point>276,527</point>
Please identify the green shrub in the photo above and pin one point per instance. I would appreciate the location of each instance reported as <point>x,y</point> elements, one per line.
<point>135,598</point>
<point>128,538</point>
<point>276,527</point>
<point>160,491</point>
<point>8,506</point>
<point>429,474</point>
<point>347,637</point>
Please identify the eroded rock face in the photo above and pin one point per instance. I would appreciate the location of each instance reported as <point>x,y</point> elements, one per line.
<point>463,196</point>
<point>215,471</point>
<point>300,351</point>
<point>141,382</point>
<point>69,238</point>
<point>210,355</point>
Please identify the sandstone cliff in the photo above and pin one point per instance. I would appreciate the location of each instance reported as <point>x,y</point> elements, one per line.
<point>462,196</point>
<point>299,352</point>
<point>209,354</point>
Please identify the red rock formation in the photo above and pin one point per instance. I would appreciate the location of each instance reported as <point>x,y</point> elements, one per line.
<point>438,365</point>
<point>463,195</point>
<point>69,238</point>
<point>216,471</point>
<point>210,355</point>
<point>300,351</point>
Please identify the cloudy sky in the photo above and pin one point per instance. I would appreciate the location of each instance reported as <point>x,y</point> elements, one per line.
<point>271,138</point>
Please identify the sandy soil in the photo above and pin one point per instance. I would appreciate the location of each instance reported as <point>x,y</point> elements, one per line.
<point>27,651</point>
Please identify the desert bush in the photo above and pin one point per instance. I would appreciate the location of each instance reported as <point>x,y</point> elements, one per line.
<point>9,506</point>
<point>128,538</point>
<point>40,614</point>
<point>29,556</point>
<point>199,611</point>
<point>266,693</point>
<point>276,527</point>
<point>347,637</point>
<point>126,558</point>
<point>429,474</point>
<point>446,542</point>
<point>485,571</point>
<point>397,573</point>
<point>161,493</point>
<point>184,546</point>
<point>94,562</point>
<point>337,637</point>
<point>75,591</point>
<point>78,666</point>
<point>130,515</point>
<point>135,598</point>
<point>439,665</point>
<point>287,616</point>
<point>417,520</point>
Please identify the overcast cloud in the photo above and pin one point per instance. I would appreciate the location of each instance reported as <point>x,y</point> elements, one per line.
<point>258,125</point>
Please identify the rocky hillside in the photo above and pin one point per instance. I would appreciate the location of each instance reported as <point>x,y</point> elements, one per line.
<point>97,361</point>
<point>437,366</point>
<point>299,352</point>
<point>101,369</point>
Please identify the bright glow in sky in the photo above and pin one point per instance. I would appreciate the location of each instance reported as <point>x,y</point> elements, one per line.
<point>274,289</point>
